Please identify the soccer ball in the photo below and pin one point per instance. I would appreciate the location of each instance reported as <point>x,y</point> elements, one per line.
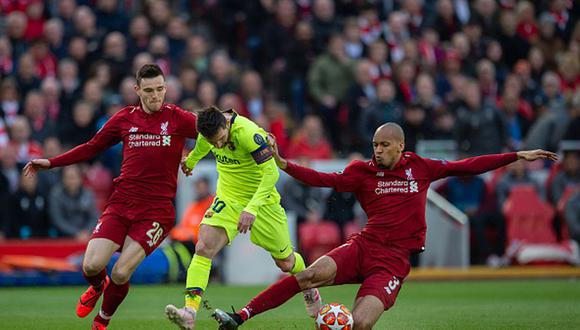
<point>334,317</point>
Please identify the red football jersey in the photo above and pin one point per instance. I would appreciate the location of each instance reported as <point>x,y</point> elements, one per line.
<point>152,149</point>
<point>395,200</point>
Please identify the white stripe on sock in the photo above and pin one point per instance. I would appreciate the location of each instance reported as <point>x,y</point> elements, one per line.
<point>104,316</point>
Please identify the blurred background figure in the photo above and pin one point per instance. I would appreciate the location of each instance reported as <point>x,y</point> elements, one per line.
<point>72,206</point>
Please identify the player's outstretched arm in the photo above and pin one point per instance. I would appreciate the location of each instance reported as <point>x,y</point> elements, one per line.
<point>481,164</point>
<point>35,165</point>
<point>531,155</point>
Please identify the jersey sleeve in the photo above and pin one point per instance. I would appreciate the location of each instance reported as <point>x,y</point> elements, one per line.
<point>202,147</point>
<point>468,166</point>
<point>253,140</point>
<point>108,135</point>
<point>346,181</point>
<point>186,123</point>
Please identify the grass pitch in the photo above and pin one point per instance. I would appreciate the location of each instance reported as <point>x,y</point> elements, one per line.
<point>531,304</point>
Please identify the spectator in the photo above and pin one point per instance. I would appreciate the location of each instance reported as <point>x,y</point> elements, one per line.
<point>252,95</point>
<point>550,127</point>
<point>82,127</point>
<point>468,194</point>
<point>516,175</point>
<point>572,214</point>
<point>221,71</point>
<point>573,130</point>
<point>36,112</point>
<point>24,147</point>
<point>328,79</point>
<point>6,60</point>
<point>27,215</point>
<point>71,206</point>
<point>324,22</point>
<point>139,34</point>
<point>352,39</point>
<point>359,97</point>
<point>309,141</point>
<point>305,201</point>
<point>446,21</point>
<point>48,179</point>
<point>9,171</point>
<point>27,75</point>
<point>567,178</point>
<point>15,30</point>
<point>416,125</point>
<point>517,123</point>
<point>383,109</point>
<point>186,229</point>
<point>9,101</point>
<point>480,127</point>
<point>196,54</point>
<point>302,55</point>
<point>54,34</point>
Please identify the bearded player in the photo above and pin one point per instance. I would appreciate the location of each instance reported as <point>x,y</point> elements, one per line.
<point>246,200</point>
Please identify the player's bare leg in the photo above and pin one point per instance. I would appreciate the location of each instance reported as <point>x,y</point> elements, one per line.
<point>131,256</point>
<point>97,256</point>
<point>366,312</point>
<point>210,242</point>
<point>321,273</point>
<point>294,264</point>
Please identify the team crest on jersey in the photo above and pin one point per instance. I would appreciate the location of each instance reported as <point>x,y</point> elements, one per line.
<point>259,139</point>
<point>208,214</point>
<point>409,174</point>
<point>164,126</point>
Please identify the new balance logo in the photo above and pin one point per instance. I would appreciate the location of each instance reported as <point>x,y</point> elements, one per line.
<point>380,174</point>
<point>133,129</point>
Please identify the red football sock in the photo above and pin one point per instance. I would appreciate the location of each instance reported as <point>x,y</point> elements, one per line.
<point>96,280</point>
<point>274,296</point>
<point>113,297</point>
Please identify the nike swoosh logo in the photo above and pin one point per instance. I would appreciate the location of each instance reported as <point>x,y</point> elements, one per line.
<point>284,249</point>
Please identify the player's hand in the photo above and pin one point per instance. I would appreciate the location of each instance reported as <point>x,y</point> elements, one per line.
<point>246,221</point>
<point>186,170</point>
<point>531,155</point>
<point>281,162</point>
<point>35,165</point>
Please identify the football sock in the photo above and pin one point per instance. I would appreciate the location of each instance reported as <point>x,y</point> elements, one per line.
<point>274,296</point>
<point>197,278</point>
<point>96,280</point>
<point>299,264</point>
<point>113,297</point>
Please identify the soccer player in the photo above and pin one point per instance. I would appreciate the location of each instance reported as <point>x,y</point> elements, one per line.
<point>140,212</point>
<point>392,189</point>
<point>246,200</point>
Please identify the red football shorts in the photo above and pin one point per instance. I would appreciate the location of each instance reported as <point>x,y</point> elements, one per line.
<point>380,269</point>
<point>146,222</point>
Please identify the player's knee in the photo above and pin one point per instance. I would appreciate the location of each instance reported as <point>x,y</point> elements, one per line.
<point>361,322</point>
<point>205,250</point>
<point>121,275</point>
<point>92,267</point>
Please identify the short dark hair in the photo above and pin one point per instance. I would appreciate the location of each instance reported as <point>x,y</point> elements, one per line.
<point>210,120</point>
<point>148,71</point>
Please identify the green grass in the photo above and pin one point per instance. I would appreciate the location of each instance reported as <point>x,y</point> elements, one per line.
<point>536,304</point>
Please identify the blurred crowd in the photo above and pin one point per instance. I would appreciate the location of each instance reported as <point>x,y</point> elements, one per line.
<point>320,75</point>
